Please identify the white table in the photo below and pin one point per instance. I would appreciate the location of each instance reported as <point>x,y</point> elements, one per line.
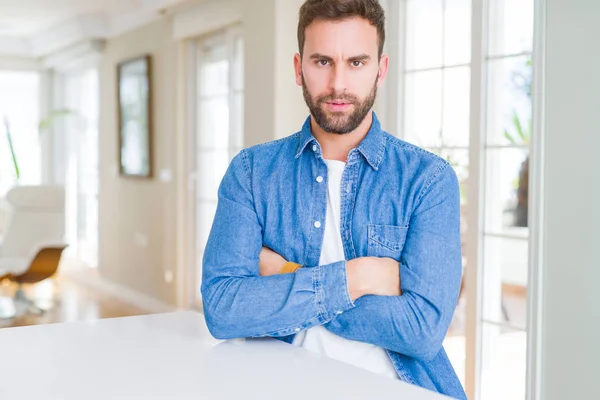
<point>172,356</point>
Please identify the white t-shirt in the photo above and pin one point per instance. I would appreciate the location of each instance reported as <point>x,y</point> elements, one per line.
<point>319,339</point>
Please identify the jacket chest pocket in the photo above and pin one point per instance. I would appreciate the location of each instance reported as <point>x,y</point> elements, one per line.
<point>386,240</point>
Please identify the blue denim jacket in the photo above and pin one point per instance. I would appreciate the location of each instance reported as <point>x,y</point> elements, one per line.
<point>397,201</point>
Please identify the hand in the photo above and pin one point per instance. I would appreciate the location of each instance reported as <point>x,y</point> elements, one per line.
<point>270,263</point>
<point>373,275</point>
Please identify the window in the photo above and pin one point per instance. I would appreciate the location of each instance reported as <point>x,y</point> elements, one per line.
<point>442,63</point>
<point>219,126</point>
<point>505,161</point>
<point>19,107</point>
<point>81,95</point>
<point>437,82</point>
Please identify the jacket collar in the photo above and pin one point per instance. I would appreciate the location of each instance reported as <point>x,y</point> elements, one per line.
<point>372,146</point>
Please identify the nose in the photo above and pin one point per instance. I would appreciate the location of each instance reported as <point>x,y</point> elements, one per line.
<point>337,82</point>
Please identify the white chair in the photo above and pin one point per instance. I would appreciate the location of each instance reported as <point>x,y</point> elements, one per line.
<point>3,214</point>
<point>35,223</point>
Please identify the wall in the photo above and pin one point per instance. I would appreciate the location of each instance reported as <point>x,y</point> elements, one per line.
<point>290,109</point>
<point>137,217</point>
<point>571,308</point>
<point>274,104</point>
<point>259,70</point>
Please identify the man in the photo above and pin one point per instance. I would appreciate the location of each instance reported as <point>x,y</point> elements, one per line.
<point>340,238</point>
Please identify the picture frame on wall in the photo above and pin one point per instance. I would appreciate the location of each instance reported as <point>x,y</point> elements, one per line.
<point>134,93</point>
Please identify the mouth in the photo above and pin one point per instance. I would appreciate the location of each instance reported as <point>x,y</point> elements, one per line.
<point>338,105</point>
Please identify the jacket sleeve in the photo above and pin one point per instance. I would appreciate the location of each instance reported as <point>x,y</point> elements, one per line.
<point>415,323</point>
<point>237,301</point>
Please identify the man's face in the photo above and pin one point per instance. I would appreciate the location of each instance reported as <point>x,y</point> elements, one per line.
<point>340,72</point>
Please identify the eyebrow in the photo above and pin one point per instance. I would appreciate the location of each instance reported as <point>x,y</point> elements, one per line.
<point>360,57</point>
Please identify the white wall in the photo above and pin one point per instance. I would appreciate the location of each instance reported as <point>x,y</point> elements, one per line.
<point>571,309</point>
<point>259,69</point>
<point>274,104</point>
<point>137,246</point>
<point>290,108</point>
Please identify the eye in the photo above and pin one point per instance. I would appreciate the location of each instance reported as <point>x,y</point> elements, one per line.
<point>322,63</point>
<point>357,63</point>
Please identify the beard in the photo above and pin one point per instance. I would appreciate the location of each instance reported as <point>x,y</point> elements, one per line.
<point>339,122</point>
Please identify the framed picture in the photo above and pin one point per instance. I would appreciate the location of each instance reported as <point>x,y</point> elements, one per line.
<point>134,92</point>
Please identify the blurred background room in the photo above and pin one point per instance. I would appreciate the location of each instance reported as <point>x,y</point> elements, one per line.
<point>118,119</point>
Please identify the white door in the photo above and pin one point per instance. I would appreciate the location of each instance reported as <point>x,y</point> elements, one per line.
<point>82,96</point>
<point>217,134</point>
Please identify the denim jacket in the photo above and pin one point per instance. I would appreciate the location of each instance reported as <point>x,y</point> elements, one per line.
<point>397,201</point>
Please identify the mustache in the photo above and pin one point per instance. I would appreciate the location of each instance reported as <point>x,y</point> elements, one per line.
<point>348,98</point>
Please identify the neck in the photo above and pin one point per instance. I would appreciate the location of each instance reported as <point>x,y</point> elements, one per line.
<point>336,146</point>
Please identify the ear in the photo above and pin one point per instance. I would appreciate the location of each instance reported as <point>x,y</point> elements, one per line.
<point>384,64</point>
<point>298,69</point>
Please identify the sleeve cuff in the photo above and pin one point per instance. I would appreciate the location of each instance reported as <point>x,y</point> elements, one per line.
<point>331,285</point>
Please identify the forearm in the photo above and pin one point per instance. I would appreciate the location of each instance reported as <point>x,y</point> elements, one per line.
<point>277,305</point>
<point>365,276</point>
<point>405,324</point>
<point>237,301</point>
<point>416,323</point>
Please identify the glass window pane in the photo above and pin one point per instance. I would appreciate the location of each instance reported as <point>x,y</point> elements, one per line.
<point>457,86</point>
<point>205,214</point>
<point>423,104</point>
<point>504,361</point>
<point>213,120</point>
<point>457,32</point>
<point>455,347</point>
<point>511,27</point>
<point>204,218</point>
<point>509,101</point>
<point>237,130</point>
<point>212,165</point>
<point>214,73</point>
<point>82,95</point>
<point>238,65</point>
<point>507,191</point>
<point>505,280</point>
<point>220,116</point>
<point>459,159</point>
<point>424,22</point>
<point>19,105</point>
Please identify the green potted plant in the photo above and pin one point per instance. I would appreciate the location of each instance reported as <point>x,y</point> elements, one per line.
<point>519,134</point>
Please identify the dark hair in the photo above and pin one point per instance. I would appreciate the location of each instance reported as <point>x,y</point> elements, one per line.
<point>337,10</point>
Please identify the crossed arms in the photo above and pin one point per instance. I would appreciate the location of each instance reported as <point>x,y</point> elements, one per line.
<point>362,299</point>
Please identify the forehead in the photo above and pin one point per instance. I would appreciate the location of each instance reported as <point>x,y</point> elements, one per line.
<point>346,37</point>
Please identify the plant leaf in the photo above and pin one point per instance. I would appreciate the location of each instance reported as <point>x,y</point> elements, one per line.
<point>12,149</point>
<point>519,127</point>
<point>53,116</point>
<point>509,137</point>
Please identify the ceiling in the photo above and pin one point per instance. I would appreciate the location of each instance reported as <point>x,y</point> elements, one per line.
<point>34,28</point>
<point>25,18</point>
